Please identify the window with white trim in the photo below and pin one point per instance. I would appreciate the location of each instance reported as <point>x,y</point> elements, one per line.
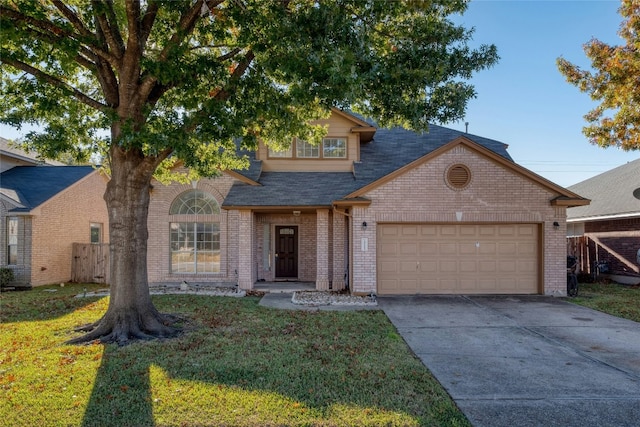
<point>334,148</point>
<point>306,150</point>
<point>195,245</point>
<point>287,154</point>
<point>12,240</point>
<point>194,202</point>
<point>330,148</point>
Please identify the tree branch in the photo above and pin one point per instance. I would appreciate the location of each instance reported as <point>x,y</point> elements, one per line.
<point>53,34</point>
<point>147,22</point>
<point>73,18</point>
<point>40,75</point>
<point>186,25</point>
<point>223,94</point>
<point>107,23</point>
<point>229,55</point>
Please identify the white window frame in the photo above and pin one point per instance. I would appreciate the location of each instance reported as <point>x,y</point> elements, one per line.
<point>190,242</point>
<point>13,225</point>
<point>329,149</point>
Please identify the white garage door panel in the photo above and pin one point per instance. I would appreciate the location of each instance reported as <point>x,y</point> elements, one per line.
<point>458,259</point>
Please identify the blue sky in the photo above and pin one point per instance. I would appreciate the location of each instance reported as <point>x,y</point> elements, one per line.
<point>524,101</point>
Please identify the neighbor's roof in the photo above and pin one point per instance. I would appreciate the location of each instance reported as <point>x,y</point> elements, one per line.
<point>30,186</point>
<point>390,150</point>
<point>613,194</point>
<point>10,149</point>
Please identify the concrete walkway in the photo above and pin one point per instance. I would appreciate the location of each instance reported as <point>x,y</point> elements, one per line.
<point>525,361</point>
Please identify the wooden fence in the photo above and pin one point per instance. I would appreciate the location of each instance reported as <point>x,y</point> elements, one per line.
<point>90,263</point>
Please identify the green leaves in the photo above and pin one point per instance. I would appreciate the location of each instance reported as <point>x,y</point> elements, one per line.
<point>186,79</point>
<point>614,83</point>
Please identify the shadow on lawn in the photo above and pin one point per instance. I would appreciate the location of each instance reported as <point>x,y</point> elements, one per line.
<point>121,394</point>
<point>312,360</point>
<point>45,303</point>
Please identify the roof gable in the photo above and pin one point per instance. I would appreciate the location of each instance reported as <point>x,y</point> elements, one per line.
<point>611,194</point>
<point>566,197</point>
<point>392,152</point>
<point>30,186</point>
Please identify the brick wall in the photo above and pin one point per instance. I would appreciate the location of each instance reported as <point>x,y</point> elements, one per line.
<point>63,220</point>
<point>307,231</point>
<point>618,242</point>
<point>22,269</point>
<point>495,194</point>
<point>158,255</point>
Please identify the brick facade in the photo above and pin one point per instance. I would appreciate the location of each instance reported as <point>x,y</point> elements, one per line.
<point>47,234</point>
<point>331,242</point>
<point>159,256</point>
<point>495,195</point>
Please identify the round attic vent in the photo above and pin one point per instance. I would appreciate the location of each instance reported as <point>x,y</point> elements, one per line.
<point>458,176</point>
<point>636,193</point>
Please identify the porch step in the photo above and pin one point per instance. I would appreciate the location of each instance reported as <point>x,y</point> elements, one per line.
<point>283,287</point>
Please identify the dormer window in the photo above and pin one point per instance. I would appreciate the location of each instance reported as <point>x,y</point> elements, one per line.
<point>304,150</point>
<point>330,148</point>
<point>334,148</point>
<point>281,154</point>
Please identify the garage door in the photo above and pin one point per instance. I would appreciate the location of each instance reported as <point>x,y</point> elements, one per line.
<point>458,259</point>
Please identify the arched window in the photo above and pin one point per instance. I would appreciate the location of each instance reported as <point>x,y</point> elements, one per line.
<point>195,246</point>
<point>194,202</point>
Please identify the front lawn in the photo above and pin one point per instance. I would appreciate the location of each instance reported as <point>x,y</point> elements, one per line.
<point>618,300</point>
<point>237,364</point>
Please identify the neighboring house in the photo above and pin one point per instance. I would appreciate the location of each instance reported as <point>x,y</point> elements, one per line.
<point>11,156</point>
<point>43,211</point>
<point>384,211</point>
<point>607,232</point>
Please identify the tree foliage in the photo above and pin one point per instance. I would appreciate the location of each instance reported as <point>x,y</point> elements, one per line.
<point>144,82</point>
<point>614,83</point>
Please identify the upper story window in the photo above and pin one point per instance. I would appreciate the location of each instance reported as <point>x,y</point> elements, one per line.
<point>194,202</point>
<point>305,150</point>
<point>281,154</point>
<point>334,148</point>
<point>330,148</point>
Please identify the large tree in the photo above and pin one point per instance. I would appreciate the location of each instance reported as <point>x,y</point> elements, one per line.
<point>145,82</point>
<point>614,83</point>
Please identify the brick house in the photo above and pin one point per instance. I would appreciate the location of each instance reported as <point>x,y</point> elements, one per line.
<point>387,211</point>
<point>43,211</point>
<point>607,232</point>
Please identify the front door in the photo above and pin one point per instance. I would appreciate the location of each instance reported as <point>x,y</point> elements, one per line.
<point>286,252</point>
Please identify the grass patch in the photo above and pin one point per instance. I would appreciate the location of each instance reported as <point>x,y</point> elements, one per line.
<point>237,364</point>
<point>617,300</point>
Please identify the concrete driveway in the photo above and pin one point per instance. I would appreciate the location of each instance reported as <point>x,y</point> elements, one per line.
<point>525,361</point>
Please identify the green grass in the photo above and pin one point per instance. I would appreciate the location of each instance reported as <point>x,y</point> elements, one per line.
<point>237,364</point>
<point>618,300</point>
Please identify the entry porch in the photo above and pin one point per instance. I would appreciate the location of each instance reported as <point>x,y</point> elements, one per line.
<point>291,248</point>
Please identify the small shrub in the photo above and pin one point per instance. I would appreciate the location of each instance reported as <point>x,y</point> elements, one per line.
<point>6,276</point>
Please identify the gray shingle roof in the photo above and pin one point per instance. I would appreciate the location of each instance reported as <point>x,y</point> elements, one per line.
<point>390,150</point>
<point>611,193</point>
<point>30,186</point>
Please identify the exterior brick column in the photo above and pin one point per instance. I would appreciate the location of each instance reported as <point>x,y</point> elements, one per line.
<point>339,257</point>
<point>364,253</point>
<point>245,246</point>
<point>322,250</point>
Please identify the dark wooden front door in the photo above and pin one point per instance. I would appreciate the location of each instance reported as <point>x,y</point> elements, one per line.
<point>286,252</point>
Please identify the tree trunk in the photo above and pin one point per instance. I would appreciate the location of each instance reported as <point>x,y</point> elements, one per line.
<point>131,313</point>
